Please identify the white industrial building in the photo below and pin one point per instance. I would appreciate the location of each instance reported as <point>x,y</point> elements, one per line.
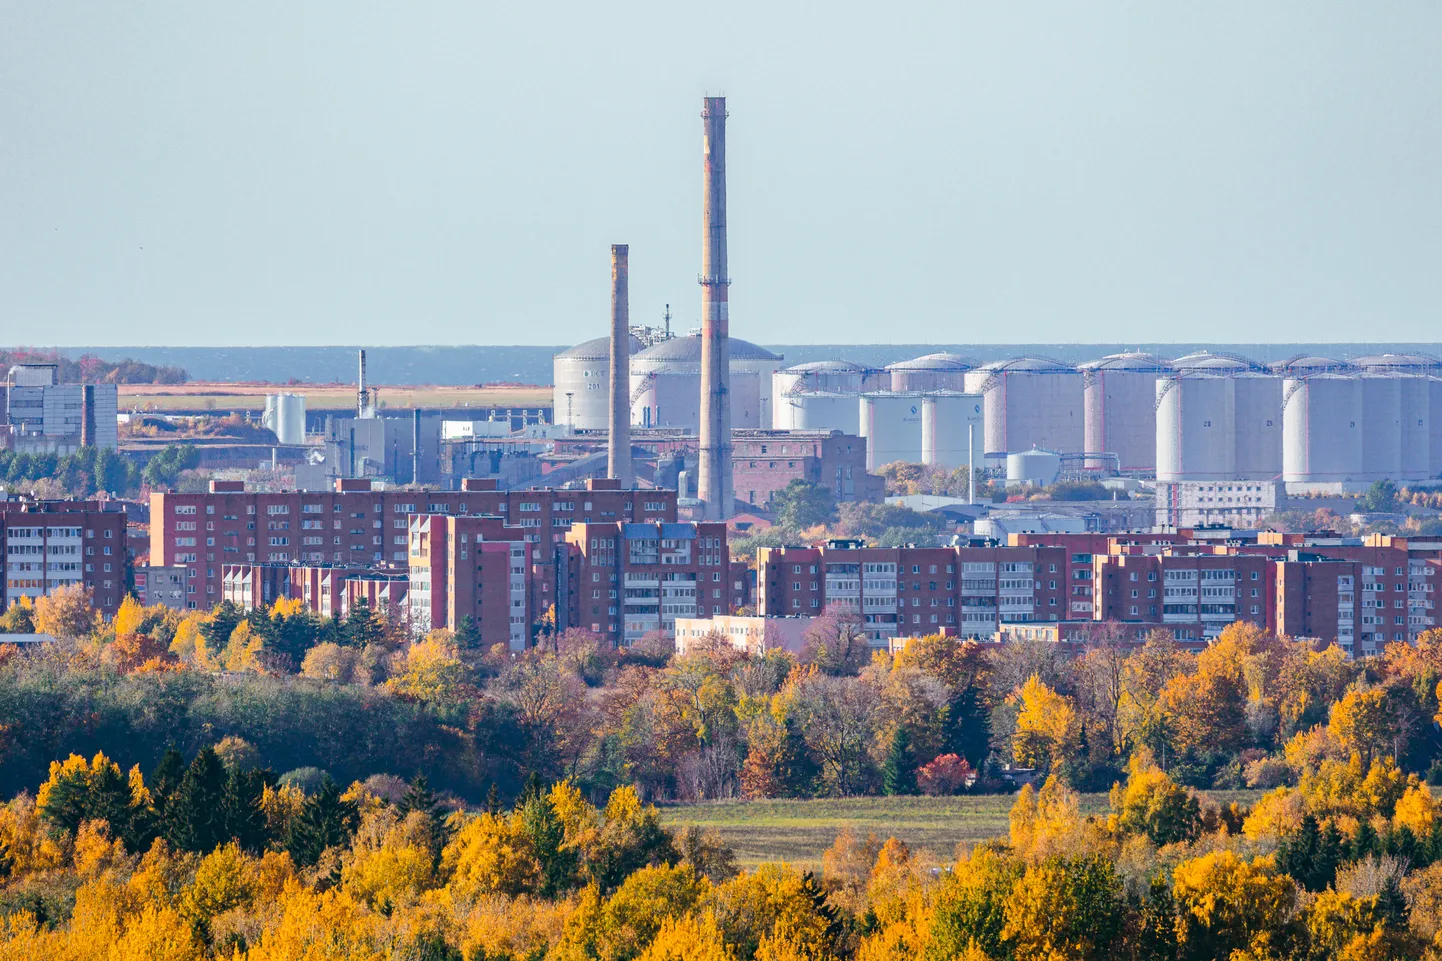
<point>1030,402</point>
<point>285,415</point>
<point>953,430</point>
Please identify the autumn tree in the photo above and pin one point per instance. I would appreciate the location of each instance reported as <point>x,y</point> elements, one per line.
<point>1046,726</point>
<point>66,612</point>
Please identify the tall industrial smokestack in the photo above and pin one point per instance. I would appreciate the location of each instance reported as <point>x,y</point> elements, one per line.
<point>362,400</point>
<point>714,483</point>
<point>619,437</point>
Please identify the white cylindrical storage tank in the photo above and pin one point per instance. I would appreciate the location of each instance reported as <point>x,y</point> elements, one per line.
<point>1196,415</point>
<point>1414,424</point>
<point>824,376</point>
<point>891,425</point>
<point>290,418</point>
<point>1119,409</point>
<point>1258,426</point>
<point>1030,402</point>
<point>1038,468</point>
<point>666,398</point>
<point>1321,427</point>
<point>1434,427</point>
<point>1416,434</point>
<point>931,372</point>
<point>820,411</point>
<point>1381,426</point>
<point>949,423</point>
<point>584,373</point>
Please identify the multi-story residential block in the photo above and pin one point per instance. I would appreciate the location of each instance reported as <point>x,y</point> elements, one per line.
<point>624,580</point>
<point>971,591</point>
<point>50,544</point>
<point>470,568</point>
<point>359,526</point>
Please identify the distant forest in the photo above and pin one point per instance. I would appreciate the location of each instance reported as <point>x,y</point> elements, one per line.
<point>89,369</point>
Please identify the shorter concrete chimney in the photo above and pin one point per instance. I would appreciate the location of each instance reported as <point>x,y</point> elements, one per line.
<point>618,444</point>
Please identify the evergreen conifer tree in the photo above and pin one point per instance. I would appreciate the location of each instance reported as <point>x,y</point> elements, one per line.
<point>325,821</point>
<point>195,816</point>
<point>244,820</point>
<point>898,774</point>
<point>493,800</point>
<point>166,778</point>
<point>547,834</point>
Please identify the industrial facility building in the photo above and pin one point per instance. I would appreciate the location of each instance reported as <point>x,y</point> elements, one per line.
<point>930,372</point>
<point>44,416</point>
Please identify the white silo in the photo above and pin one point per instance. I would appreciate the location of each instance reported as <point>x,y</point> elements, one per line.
<point>1321,421</point>
<point>1030,402</point>
<point>891,425</point>
<point>1258,427</point>
<point>1119,408</point>
<point>582,378</point>
<point>950,422</point>
<point>1381,426</point>
<point>1037,468</point>
<point>930,372</point>
<point>818,410</point>
<point>290,418</point>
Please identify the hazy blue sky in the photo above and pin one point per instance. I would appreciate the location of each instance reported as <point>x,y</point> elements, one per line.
<point>352,172</point>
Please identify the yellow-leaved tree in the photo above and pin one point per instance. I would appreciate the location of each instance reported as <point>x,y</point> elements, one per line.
<point>1047,729</point>
<point>66,612</point>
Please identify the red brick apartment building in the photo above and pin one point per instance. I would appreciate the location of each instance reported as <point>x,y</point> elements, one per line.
<point>50,544</point>
<point>358,526</point>
<point>625,580</point>
<point>1360,593</point>
<point>470,567</point>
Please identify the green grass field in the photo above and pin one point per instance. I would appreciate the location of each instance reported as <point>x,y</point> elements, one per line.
<point>799,831</point>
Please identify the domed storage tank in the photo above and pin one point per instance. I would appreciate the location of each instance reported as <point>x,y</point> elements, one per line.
<point>1038,468</point>
<point>584,372</point>
<point>950,422</point>
<point>930,372</point>
<point>819,411</point>
<point>826,377</point>
<point>891,424</point>
<point>663,375</point>
<point>1321,421</point>
<point>1119,408</point>
<point>672,398</point>
<point>1030,402</point>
